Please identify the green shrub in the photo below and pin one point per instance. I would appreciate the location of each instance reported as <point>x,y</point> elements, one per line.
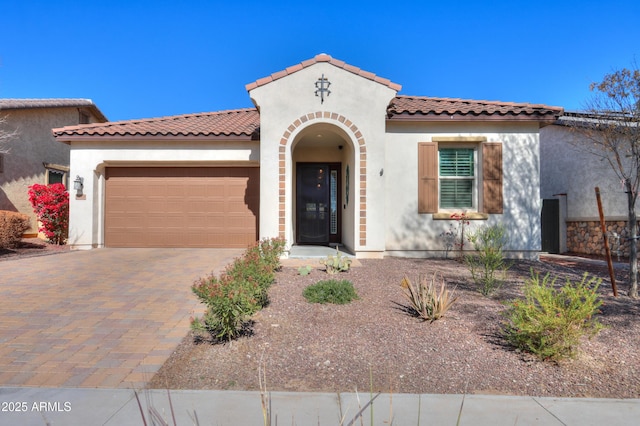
<point>487,265</point>
<point>229,304</point>
<point>428,301</point>
<point>330,291</point>
<point>550,322</point>
<point>271,250</point>
<point>239,292</point>
<point>337,263</point>
<point>12,226</point>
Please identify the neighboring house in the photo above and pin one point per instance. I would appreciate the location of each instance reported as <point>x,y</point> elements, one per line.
<point>569,176</point>
<point>32,155</point>
<point>330,155</point>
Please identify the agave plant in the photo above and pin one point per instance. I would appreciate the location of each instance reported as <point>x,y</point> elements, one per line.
<point>428,300</point>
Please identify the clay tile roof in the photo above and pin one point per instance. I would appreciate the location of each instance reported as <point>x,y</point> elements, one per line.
<point>323,57</point>
<point>427,108</point>
<point>9,104</point>
<point>241,122</point>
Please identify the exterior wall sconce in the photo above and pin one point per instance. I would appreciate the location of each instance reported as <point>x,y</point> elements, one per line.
<point>78,185</point>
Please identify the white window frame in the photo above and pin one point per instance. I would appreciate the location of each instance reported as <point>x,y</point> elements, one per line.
<point>476,173</point>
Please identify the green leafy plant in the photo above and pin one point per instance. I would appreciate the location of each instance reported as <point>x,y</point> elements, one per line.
<point>487,265</point>
<point>270,250</point>
<point>550,322</point>
<point>229,303</point>
<point>305,270</point>
<point>337,263</point>
<point>239,292</point>
<point>428,301</point>
<point>330,291</point>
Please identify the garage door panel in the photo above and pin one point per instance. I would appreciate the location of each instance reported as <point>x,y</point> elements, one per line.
<point>181,207</point>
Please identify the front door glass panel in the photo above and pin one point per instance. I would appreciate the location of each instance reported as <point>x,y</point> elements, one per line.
<point>313,201</point>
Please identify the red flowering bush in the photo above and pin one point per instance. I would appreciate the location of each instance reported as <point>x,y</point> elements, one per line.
<point>51,205</point>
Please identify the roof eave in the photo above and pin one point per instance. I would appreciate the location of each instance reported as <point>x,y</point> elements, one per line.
<point>98,114</point>
<point>470,118</point>
<point>89,105</point>
<point>68,139</point>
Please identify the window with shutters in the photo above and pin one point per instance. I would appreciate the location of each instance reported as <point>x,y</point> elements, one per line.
<point>460,173</point>
<point>457,178</point>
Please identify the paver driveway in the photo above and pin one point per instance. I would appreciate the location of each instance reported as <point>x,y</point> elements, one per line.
<point>97,318</point>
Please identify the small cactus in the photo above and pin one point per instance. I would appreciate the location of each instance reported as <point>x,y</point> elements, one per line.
<point>337,263</point>
<point>305,270</point>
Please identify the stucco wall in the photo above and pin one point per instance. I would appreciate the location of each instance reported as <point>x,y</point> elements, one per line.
<point>288,107</point>
<point>568,169</point>
<point>89,160</point>
<point>571,174</point>
<point>32,146</point>
<point>410,233</point>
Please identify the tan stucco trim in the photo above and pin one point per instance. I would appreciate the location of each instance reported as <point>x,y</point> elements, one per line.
<point>324,117</point>
<point>459,139</point>
<point>59,167</point>
<point>597,219</point>
<point>468,215</point>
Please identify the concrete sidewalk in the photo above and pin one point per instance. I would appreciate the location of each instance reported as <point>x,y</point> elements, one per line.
<point>119,407</point>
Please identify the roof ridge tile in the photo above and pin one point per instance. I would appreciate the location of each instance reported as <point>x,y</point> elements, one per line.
<point>322,57</point>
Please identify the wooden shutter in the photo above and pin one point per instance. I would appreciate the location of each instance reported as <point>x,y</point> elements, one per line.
<point>492,177</point>
<point>427,177</point>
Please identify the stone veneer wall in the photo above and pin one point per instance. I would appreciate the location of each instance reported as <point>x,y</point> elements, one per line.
<point>586,237</point>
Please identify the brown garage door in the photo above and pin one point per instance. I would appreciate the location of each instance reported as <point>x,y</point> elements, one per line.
<point>181,206</point>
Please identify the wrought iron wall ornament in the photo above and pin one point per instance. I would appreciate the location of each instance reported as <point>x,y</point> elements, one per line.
<point>322,87</point>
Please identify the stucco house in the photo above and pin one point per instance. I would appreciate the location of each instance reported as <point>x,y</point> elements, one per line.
<point>331,154</point>
<point>569,176</point>
<point>32,155</point>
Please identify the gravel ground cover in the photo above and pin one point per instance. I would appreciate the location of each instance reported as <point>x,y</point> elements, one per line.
<point>372,343</point>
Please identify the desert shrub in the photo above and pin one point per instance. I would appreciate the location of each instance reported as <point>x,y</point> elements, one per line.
<point>51,205</point>
<point>428,301</point>
<point>229,303</point>
<point>550,322</point>
<point>487,265</point>
<point>239,292</point>
<point>271,250</point>
<point>330,291</point>
<point>12,226</point>
<point>337,263</point>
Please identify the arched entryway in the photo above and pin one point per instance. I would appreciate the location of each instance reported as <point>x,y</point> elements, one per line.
<point>323,208</point>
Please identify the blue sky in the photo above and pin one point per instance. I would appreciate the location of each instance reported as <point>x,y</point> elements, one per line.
<point>138,59</point>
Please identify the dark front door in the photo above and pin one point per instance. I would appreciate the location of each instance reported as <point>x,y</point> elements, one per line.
<point>317,203</point>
